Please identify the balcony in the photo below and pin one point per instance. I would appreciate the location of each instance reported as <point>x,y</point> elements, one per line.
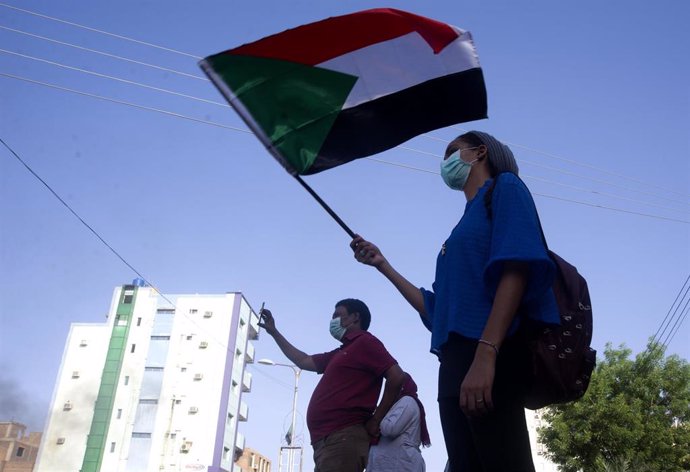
<point>253,326</point>
<point>247,382</point>
<point>249,355</point>
<point>239,443</point>
<point>244,412</point>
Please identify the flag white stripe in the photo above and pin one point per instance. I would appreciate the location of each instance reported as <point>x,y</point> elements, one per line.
<point>390,66</point>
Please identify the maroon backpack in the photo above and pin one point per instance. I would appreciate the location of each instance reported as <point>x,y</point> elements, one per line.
<point>562,359</point>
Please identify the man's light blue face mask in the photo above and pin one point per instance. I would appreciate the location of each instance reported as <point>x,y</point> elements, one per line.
<point>455,171</point>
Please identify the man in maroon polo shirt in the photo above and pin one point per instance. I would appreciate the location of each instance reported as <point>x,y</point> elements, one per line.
<point>343,416</point>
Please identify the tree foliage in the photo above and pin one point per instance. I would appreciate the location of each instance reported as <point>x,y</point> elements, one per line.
<point>635,416</point>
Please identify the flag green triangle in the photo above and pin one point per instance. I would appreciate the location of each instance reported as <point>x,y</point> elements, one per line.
<point>294,104</point>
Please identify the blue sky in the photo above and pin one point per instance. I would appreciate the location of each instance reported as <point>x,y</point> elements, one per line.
<point>593,95</point>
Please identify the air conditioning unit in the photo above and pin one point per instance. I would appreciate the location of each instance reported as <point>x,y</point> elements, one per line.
<point>198,376</point>
<point>208,314</point>
<point>193,410</point>
<point>203,345</point>
<point>60,441</point>
<point>67,406</point>
<point>75,374</point>
<point>186,446</point>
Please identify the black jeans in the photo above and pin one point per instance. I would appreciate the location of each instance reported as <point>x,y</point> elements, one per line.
<point>499,440</point>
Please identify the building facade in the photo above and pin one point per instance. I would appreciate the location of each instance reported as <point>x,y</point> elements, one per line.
<point>18,450</point>
<point>252,461</point>
<point>158,386</point>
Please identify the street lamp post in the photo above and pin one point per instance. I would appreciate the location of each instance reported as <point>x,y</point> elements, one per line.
<point>297,371</point>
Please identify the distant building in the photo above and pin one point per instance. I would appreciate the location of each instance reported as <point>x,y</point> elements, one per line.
<point>541,462</point>
<point>252,461</point>
<point>158,386</point>
<point>17,450</point>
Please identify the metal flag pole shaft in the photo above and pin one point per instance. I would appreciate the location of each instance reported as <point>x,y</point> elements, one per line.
<point>325,206</point>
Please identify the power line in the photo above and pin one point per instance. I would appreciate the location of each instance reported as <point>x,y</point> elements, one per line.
<point>589,166</point>
<point>111,248</point>
<point>605,182</point>
<point>158,89</point>
<point>117,79</point>
<point>553,197</point>
<point>106,54</point>
<point>122,102</point>
<point>248,132</point>
<point>687,310</point>
<point>676,315</point>
<point>95,233</point>
<point>88,28</point>
<point>553,156</point>
<point>657,337</point>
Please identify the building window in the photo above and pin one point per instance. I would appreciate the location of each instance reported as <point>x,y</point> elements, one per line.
<point>119,413</point>
<point>139,321</point>
<point>141,435</point>
<point>134,346</point>
<point>226,453</point>
<point>148,401</point>
<point>183,369</point>
<point>193,311</point>
<point>20,452</point>
<point>154,369</point>
<point>189,338</point>
<point>129,296</point>
<point>160,338</point>
<point>112,447</point>
<point>126,379</point>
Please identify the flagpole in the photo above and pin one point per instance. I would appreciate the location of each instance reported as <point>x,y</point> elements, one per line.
<point>325,206</point>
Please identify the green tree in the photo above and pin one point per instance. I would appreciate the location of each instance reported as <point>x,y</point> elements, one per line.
<point>635,416</point>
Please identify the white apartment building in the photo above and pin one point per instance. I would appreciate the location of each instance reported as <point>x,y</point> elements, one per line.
<point>157,387</point>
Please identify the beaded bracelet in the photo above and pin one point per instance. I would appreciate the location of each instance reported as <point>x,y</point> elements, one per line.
<point>489,343</point>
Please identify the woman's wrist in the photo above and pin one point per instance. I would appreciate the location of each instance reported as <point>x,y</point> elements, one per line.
<point>484,345</point>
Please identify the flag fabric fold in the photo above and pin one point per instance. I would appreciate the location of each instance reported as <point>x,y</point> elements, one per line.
<point>347,87</point>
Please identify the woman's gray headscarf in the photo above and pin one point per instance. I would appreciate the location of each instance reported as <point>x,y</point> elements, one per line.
<point>500,156</point>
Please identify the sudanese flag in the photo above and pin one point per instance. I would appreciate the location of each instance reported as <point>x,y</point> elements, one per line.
<point>329,92</point>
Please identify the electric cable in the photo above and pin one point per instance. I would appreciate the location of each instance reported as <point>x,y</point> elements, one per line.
<point>95,30</point>
<point>117,79</point>
<point>88,226</point>
<point>249,132</point>
<point>106,54</point>
<point>657,337</point>
<point>126,38</point>
<point>415,150</point>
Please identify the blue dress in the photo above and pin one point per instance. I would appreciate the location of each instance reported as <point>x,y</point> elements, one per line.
<point>470,264</point>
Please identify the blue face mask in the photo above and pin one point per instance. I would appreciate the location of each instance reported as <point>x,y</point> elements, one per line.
<point>455,171</point>
<point>337,330</point>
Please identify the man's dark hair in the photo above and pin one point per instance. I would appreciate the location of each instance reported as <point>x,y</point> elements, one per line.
<point>352,305</point>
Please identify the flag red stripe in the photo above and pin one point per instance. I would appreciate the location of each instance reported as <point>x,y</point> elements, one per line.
<point>318,42</point>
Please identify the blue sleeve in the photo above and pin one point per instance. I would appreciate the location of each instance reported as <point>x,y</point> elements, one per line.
<point>516,236</point>
<point>429,303</point>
